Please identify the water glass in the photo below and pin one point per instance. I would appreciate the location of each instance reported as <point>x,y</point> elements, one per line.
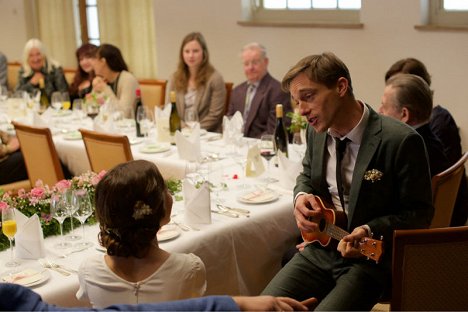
<point>191,118</point>
<point>56,100</point>
<point>78,109</point>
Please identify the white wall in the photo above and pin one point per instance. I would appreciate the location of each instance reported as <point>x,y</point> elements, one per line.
<point>387,36</point>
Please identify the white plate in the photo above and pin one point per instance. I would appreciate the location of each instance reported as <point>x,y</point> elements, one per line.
<point>27,277</point>
<point>167,232</point>
<point>75,135</point>
<point>62,113</point>
<point>258,197</point>
<point>134,141</point>
<point>155,148</point>
<point>101,249</point>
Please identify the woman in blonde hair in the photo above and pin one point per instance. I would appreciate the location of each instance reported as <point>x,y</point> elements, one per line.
<point>36,67</point>
<point>132,203</point>
<point>197,83</point>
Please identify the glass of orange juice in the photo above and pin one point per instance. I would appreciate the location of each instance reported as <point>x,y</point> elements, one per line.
<point>9,229</point>
<point>65,101</point>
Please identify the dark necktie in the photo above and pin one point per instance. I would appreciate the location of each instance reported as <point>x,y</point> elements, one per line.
<point>248,101</point>
<point>340,148</point>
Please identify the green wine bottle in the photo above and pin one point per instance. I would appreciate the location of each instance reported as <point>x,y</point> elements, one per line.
<point>174,119</point>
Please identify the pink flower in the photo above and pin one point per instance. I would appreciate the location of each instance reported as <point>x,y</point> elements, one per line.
<point>63,185</point>
<point>37,192</point>
<point>3,205</point>
<point>21,192</point>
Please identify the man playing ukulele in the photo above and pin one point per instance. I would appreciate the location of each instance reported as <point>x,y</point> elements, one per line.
<point>380,183</point>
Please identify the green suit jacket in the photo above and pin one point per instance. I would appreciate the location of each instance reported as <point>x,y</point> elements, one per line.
<point>401,199</point>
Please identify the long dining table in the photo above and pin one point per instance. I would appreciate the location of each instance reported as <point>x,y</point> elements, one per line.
<point>241,254</point>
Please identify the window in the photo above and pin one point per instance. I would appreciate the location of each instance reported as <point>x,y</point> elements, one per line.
<point>87,22</point>
<point>303,12</point>
<point>449,13</point>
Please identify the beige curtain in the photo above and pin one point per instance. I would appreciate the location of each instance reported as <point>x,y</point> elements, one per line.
<point>56,30</point>
<point>129,25</point>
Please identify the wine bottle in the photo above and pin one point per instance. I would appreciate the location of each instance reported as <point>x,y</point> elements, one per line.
<point>44,100</point>
<point>174,119</point>
<point>281,136</point>
<point>138,103</point>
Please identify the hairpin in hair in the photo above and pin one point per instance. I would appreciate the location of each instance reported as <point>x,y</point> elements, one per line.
<point>140,210</point>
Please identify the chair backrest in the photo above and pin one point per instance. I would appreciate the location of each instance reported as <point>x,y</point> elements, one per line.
<point>39,153</point>
<point>445,187</point>
<point>153,92</point>
<point>105,151</point>
<point>228,95</point>
<point>430,270</point>
<point>12,75</point>
<point>69,74</point>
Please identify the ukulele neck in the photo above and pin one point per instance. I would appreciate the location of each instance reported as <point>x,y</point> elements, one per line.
<point>335,231</point>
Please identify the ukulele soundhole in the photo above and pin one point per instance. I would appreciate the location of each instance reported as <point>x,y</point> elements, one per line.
<point>322,224</point>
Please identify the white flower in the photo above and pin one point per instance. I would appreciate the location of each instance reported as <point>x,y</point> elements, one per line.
<point>373,175</point>
<point>140,210</point>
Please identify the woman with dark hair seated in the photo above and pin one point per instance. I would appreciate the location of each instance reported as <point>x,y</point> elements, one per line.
<point>82,82</point>
<point>132,203</point>
<point>114,80</point>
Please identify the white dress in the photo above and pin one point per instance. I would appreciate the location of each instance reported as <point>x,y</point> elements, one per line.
<point>181,276</point>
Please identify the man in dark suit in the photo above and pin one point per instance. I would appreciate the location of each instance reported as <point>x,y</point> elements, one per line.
<point>408,99</point>
<point>257,97</point>
<point>385,185</point>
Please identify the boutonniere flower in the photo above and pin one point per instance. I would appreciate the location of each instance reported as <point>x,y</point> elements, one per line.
<point>373,175</point>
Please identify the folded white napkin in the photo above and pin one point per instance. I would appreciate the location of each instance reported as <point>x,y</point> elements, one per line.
<point>48,113</point>
<point>29,239</point>
<point>254,166</point>
<point>197,203</point>
<point>189,147</point>
<point>107,126</point>
<point>233,128</point>
<point>288,171</point>
<point>39,121</point>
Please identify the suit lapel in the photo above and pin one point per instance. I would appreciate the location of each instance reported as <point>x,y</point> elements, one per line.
<point>255,104</point>
<point>370,142</point>
<point>320,144</point>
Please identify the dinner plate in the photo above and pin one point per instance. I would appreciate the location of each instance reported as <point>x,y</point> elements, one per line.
<point>27,277</point>
<point>134,141</point>
<point>155,148</point>
<point>74,135</point>
<point>168,232</point>
<point>258,197</point>
<point>62,113</point>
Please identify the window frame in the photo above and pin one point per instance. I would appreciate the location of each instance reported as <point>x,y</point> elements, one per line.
<point>440,17</point>
<point>310,17</point>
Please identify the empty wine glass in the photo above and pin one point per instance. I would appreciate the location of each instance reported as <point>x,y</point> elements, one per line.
<point>59,212</point>
<point>267,151</point>
<point>67,199</point>
<point>84,209</point>
<point>191,118</point>
<point>56,101</point>
<point>78,109</point>
<point>145,119</point>
<point>9,229</point>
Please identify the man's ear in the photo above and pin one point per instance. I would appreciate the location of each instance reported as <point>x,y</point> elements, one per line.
<point>342,86</point>
<point>405,115</point>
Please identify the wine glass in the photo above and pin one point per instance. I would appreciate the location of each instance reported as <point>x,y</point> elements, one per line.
<point>145,119</point>
<point>67,199</point>
<point>3,94</point>
<point>78,108</point>
<point>59,212</point>
<point>267,151</point>
<point>216,173</point>
<point>84,209</point>
<point>191,118</point>
<point>298,145</point>
<point>9,229</point>
<point>65,101</point>
<point>56,100</point>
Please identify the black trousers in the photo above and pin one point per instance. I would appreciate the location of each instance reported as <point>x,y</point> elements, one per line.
<point>13,169</point>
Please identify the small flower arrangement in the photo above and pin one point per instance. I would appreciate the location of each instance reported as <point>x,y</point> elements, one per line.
<point>373,175</point>
<point>37,201</point>
<point>96,99</point>
<point>298,121</point>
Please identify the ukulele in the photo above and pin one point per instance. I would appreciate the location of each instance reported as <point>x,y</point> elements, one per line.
<point>328,229</point>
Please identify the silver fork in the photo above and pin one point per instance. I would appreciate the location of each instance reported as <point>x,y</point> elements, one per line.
<point>46,264</point>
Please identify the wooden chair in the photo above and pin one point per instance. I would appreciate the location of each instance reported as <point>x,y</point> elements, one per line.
<point>430,269</point>
<point>229,86</point>
<point>39,153</point>
<point>445,187</point>
<point>15,186</point>
<point>105,151</point>
<point>69,74</point>
<point>12,75</point>
<point>153,92</point>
